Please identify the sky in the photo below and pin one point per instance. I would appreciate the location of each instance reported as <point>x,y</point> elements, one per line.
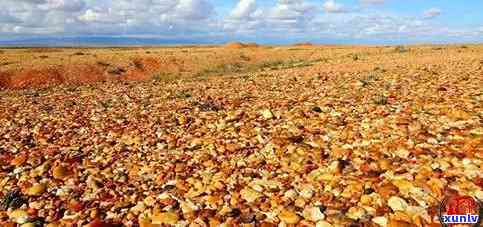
<point>262,21</point>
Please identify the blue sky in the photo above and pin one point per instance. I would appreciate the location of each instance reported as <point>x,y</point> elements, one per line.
<point>263,21</point>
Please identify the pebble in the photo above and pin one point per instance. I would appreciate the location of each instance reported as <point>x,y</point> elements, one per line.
<point>19,216</point>
<point>36,190</point>
<point>266,114</point>
<point>19,160</point>
<point>289,217</point>
<point>355,213</point>
<point>144,223</point>
<point>381,221</point>
<point>28,225</point>
<point>249,194</point>
<point>169,218</point>
<point>313,214</point>
<point>323,224</point>
<point>59,172</point>
<point>307,193</point>
<point>397,203</point>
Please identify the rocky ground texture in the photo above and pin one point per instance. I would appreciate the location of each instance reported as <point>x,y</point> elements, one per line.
<point>376,141</point>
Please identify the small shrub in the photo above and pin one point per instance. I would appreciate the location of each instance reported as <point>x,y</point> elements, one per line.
<point>380,69</point>
<point>278,64</point>
<point>164,77</point>
<point>138,63</point>
<point>221,69</point>
<point>400,49</point>
<point>107,104</point>
<point>207,106</point>
<point>272,64</point>
<point>244,58</point>
<point>183,95</point>
<point>79,53</point>
<point>116,71</point>
<point>325,60</point>
<point>105,64</point>
<point>43,56</point>
<point>380,100</point>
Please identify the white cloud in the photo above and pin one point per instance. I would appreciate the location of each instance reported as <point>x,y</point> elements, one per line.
<point>63,5</point>
<point>244,9</point>
<point>193,9</point>
<point>286,16</point>
<point>374,2</point>
<point>330,6</point>
<point>431,13</point>
<point>94,16</point>
<point>151,17</point>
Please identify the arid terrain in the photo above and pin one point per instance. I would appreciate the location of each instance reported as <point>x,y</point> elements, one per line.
<point>238,135</point>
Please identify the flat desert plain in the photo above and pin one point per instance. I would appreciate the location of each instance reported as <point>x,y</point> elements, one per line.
<point>238,135</point>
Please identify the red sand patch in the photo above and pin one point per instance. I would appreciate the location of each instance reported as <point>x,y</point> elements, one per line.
<point>83,74</point>
<point>5,79</point>
<point>141,69</point>
<point>37,78</point>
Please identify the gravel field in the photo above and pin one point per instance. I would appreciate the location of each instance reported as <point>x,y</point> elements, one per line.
<point>313,136</point>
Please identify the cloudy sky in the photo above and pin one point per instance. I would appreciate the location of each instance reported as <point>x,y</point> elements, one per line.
<point>264,21</point>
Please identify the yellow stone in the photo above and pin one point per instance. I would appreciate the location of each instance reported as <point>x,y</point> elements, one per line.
<point>169,218</point>
<point>19,216</point>
<point>355,213</point>
<point>313,214</point>
<point>381,221</point>
<point>289,217</point>
<point>36,190</point>
<point>266,114</point>
<point>366,200</point>
<point>214,222</point>
<point>323,224</point>
<point>144,222</point>
<point>60,172</point>
<point>397,203</point>
<point>28,225</point>
<point>249,194</point>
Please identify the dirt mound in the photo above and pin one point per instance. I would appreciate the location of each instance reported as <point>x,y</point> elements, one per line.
<point>253,45</point>
<point>138,69</point>
<point>235,45</point>
<point>239,45</point>
<point>37,78</point>
<point>83,74</point>
<point>305,44</point>
<point>142,69</point>
<point>5,79</point>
